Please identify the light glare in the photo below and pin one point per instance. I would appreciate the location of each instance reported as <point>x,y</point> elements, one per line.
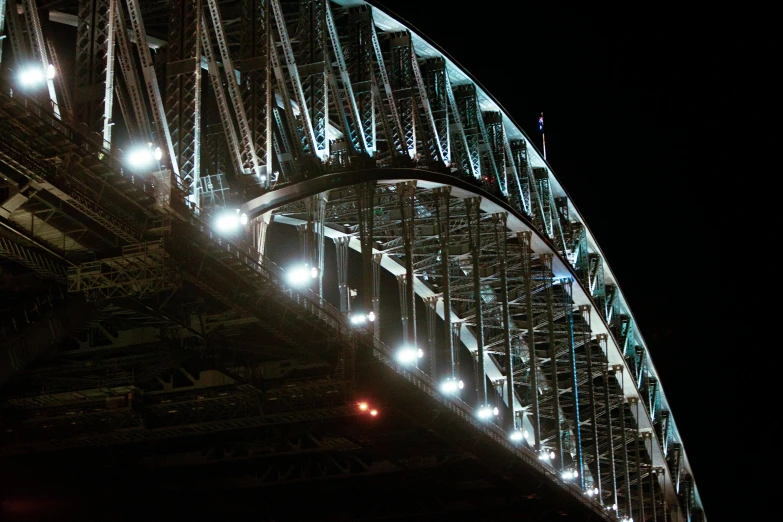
<point>31,76</point>
<point>409,355</point>
<point>50,72</point>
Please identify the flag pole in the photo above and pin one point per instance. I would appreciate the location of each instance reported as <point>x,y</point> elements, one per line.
<point>541,130</point>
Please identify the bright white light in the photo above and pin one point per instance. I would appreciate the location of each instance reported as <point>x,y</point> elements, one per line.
<point>358,318</point>
<point>595,491</point>
<point>226,222</point>
<point>589,492</point>
<point>551,454</point>
<point>576,473</point>
<point>263,177</point>
<point>451,385</point>
<point>566,475</point>
<point>517,435</point>
<point>243,219</point>
<point>371,316</point>
<point>408,355</point>
<point>139,157</point>
<point>525,434</point>
<point>157,154</point>
<point>544,456</point>
<point>298,276</point>
<point>495,410</point>
<point>314,272</point>
<point>50,72</point>
<point>31,76</point>
<point>614,507</point>
<point>484,412</point>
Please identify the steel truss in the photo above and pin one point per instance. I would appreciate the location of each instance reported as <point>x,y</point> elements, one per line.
<point>346,88</point>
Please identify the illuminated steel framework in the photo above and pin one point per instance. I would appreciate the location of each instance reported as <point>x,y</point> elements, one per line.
<point>336,119</point>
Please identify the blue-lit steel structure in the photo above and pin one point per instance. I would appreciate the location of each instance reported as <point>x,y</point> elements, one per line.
<point>129,316</point>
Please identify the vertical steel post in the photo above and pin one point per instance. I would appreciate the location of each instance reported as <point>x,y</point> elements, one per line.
<point>653,504</point>
<point>442,213</point>
<point>623,441</point>
<point>568,304</point>
<point>499,221</point>
<point>432,342</point>
<point>474,229</point>
<point>376,294</point>
<point>585,310</point>
<point>546,267</point>
<point>341,246</point>
<point>407,198</point>
<point>609,435</point>
<point>365,197</point>
<point>527,276</point>
<point>639,485</point>
<point>402,288</point>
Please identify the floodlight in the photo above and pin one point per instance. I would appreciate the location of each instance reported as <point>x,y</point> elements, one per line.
<point>371,316</point>
<point>31,76</point>
<point>139,157</point>
<point>50,72</point>
<point>517,436</point>
<point>408,355</point>
<point>157,154</point>
<point>298,276</point>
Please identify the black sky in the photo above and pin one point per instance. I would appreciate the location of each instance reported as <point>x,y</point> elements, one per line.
<point>631,107</point>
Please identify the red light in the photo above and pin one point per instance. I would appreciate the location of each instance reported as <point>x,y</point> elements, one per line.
<point>373,412</point>
<point>363,406</point>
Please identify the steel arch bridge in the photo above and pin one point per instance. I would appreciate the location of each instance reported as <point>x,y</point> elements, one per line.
<point>338,120</point>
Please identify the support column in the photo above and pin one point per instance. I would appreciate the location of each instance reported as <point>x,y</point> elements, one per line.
<point>473,206</point>
<point>376,294</point>
<point>407,192</point>
<point>365,202</point>
<point>403,291</point>
<point>624,442</point>
<point>499,221</point>
<point>609,435</point>
<point>316,215</point>
<point>569,312</point>
<point>94,65</point>
<point>527,275</point>
<point>585,311</point>
<point>546,267</point>
<point>432,342</point>
<point>442,213</point>
<point>653,505</point>
<point>183,91</point>
<point>341,245</point>
<point>260,228</point>
<point>639,485</point>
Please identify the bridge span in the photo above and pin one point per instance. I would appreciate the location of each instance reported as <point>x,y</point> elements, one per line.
<point>460,339</point>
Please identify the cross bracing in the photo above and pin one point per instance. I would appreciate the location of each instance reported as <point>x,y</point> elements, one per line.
<point>481,230</point>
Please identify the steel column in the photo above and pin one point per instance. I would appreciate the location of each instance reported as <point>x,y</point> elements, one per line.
<point>527,276</point>
<point>499,221</point>
<point>183,90</point>
<point>585,311</point>
<point>474,229</point>
<point>376,294</point>
<point>546,267</point>
<point>432,343</point>
<point>341,245</point>
<point>442,212</point>
<point>623,441</point>
<point>602,338</point>
<point>568,304</point>
<point>407,200</point>
<point>365,198</point>
<point>639,485</point>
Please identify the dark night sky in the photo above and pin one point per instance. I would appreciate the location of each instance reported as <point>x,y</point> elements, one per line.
<point>630,104</point>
